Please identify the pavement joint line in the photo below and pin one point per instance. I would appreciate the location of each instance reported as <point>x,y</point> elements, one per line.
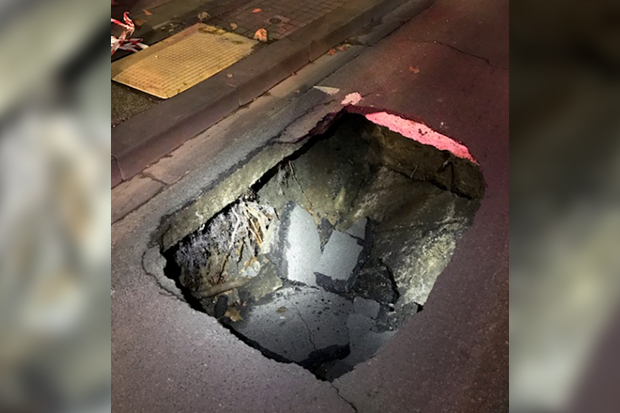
<point>488,61</point>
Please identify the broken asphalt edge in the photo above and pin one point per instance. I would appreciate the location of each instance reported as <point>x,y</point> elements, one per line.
<point>145,138</point>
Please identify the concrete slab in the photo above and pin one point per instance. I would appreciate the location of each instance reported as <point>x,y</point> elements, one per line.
<point>298,321</point>
<point>366,307</point>
<point>358,229</point>
<point>302,249</point>
<point>340,256</point>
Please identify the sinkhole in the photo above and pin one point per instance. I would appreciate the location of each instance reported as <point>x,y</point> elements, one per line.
<point>317,251</point>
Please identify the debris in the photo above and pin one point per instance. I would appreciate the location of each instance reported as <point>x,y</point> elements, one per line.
<point>352,99</point>
<point>203,16</point>
<point>302,248</point>
<point>366,307</point>
<point>264,284</point>
<point>147,12</point>
<point>229,75</point>
<point>331,52</point>
<point>213,258</point>
<point>414,69</point>
<point>281,309</point>
<point>340,256</point>
<point>257,10</point>
<point>358,229</point>
<point>123,41</point>
<point>329,90</point>
<point>233,314</point>
<point>222,288</point>
<point>375,282</point>
<point>261,35</point>
<point>234,26</point>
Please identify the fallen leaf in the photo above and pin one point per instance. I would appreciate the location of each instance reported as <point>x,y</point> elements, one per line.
<point>331,52</point>
<point>261,35</point>
<point>234,26</point>
<point>257,10</point>
<point>233,314</point>
<point>281,309</point>
<point>139,22</point>
<point>203,16</point>
<point>147,12</point>
<point>340,48</point>
<point>414,69</point>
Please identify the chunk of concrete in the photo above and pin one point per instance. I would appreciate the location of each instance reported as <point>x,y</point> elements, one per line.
<point>374,281</point>
<point>302,249</point>
<point>264,284</point>
<point>358,229</point>
<point>366,307</point>
<point>339,256</point>
<point>270,239</point>
<point>299,322</point>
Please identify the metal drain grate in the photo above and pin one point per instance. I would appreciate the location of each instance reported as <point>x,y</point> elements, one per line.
<point>181,61</point>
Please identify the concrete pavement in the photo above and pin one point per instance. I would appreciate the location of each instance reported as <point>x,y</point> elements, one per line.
<point>448,68</point>
<point>153,129</point>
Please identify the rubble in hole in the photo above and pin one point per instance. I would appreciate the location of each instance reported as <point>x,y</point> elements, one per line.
<point>333,249</point>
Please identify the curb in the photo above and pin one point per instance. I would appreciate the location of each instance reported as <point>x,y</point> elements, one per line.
<point>150,135</point>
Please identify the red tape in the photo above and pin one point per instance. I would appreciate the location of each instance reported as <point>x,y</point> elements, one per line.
<point>122,42</point>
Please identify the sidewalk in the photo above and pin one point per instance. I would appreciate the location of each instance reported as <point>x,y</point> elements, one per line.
<point>145,128</point>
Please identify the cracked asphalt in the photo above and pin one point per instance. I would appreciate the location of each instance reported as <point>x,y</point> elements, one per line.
<point>452,357</point>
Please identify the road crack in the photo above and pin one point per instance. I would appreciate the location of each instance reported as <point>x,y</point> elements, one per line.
<point>307,326</point>
<point>488,61</point>
<point>350,403</point>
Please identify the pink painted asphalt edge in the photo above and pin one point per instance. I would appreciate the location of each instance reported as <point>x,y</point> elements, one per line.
<point>421,133</point>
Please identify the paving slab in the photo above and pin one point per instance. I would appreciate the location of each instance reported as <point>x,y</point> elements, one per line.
<point>302,249</point>
<point>340,256</point>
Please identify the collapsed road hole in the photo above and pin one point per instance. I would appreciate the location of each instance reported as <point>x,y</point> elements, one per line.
<point>325,256</point>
